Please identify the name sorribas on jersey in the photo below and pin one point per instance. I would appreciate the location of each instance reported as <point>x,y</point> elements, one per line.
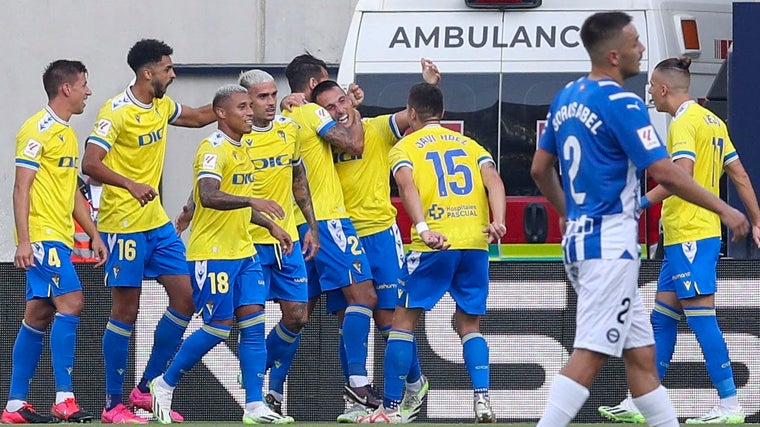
<point>578,111</point>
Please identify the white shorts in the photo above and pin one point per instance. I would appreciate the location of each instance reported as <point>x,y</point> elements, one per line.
<point>610,316</point>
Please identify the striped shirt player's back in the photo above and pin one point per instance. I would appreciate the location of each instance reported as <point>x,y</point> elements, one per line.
<point>604,139</point>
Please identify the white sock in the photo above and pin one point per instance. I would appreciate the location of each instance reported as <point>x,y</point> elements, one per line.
<point>415,386</point>
<point>730,403</point>
<point>657,409</point>
<point>160,382</point>
<point>253,406</point>
<point>14,405</point>
<point>61,396</point>
<point>357,380</point>
<point>566,397</point>
<point>277,396</point>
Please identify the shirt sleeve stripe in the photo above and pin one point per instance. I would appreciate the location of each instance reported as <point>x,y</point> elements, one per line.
<point>401,164</point>
<point>394,127</point>
<point>729,158</point>
<point>486,159</point>
<point>23,163</point>
<point>322,130</point>
<point>622,95</point>
<point>297,161</point>
<point>211,175</point>
<point>99,142</point>
<point>177,112</point>
<point>684,155</point>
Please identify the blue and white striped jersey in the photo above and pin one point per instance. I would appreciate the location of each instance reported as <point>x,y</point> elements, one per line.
<point>604,139</point>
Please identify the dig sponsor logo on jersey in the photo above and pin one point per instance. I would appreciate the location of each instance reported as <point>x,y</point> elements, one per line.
<point>272,162</point>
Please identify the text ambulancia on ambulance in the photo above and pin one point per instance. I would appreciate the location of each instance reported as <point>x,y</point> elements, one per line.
<point>502,62</point>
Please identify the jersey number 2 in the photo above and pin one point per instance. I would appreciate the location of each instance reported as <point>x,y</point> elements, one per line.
<point>571,151</point>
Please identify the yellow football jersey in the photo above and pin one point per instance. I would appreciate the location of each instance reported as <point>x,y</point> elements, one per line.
<point>697,134</point>
<point>316,154</point>
<point>364,178</point>
<point>219,234</point>
<point>47,144</point>
<point>134,137</point>
<point>274,151</point>
<point>446,171</point>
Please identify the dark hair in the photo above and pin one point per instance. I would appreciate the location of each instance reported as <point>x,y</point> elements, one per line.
<point>601,27</point>
<point>301,69</point>
<point>323,87</point>
<point>427,100</point>
<point>60,72</point>
<point>680,64</point>
<point>147,51</point>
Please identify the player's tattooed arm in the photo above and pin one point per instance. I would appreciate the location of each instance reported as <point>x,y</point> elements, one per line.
<point>302,195</point>
<point>213,198</point>
<point>348,137</point>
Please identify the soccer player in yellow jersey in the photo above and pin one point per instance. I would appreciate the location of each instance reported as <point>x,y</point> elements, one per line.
<point>126,153</point>
<point>341,262</point>
<point>45,196</point>
<point>279,175</point>
<point>367,194</point>
<point>447,183</point>
<point>226,273</point>
<point>698,141</point>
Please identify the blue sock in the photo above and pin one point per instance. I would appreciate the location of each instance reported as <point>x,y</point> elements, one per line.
<point>253,355</point>
<point>398,357</point>
<point>415,372</point>
<point>665,321</point>
<point>193,349</point>
<point>704,324</point>
<point>475,352</point>
<point>26,354</point>
<point>281,350</point>
<point>115,352</point>
<point>166,339</point>
<point>342,355</point>
<point>63,342</point>
<point>355,333</point>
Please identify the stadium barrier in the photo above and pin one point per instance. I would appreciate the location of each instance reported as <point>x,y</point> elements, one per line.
<point>529,328</point>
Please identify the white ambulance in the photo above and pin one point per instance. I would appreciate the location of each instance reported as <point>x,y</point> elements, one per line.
<point>502,63</point>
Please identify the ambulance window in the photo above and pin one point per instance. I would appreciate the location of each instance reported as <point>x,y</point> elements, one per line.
<point>470,101</point>
<point>525,100</point>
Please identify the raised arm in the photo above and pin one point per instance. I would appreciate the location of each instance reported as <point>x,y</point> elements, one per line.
<point>195,117</point>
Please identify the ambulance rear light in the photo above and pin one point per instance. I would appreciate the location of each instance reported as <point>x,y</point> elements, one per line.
<point>503,4</point>
<point>688,35</point>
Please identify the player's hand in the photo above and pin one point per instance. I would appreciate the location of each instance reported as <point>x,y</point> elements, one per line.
<point>737,222</point>
<point>99,251</point>
<point>756,235</point>
<point>430,72</point>
<point>268,207</point>
<point>310,245</point>
<point>24,257</point>
<point>355,94</point>
<point>182,221</point>
<point>435,240</point>
<point>292,100</point>
<point>142,192</point>
<point>282,236</point>
<point>495,231</point>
